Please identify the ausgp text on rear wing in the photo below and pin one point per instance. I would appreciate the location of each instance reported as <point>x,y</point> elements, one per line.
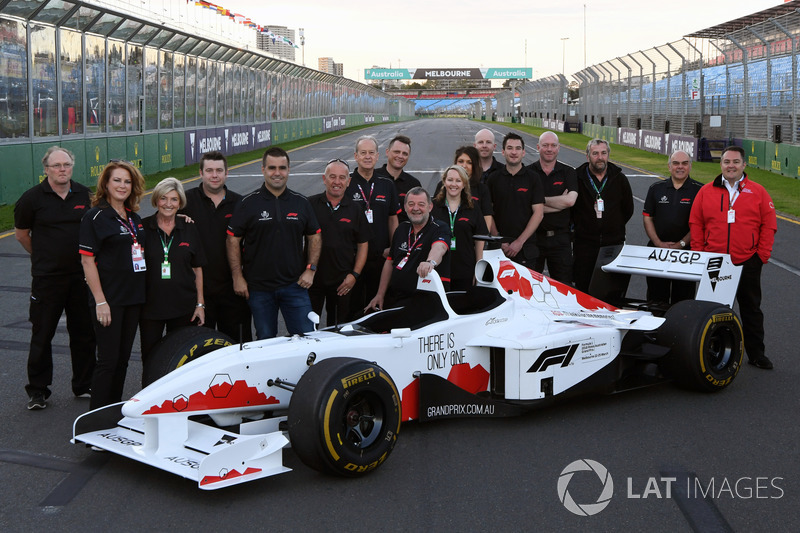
<point>718,277</point>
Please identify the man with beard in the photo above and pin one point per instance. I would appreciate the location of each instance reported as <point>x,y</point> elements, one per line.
<point>518,201</point>
<point>603,207</point>
<point>419,245</point>
<point>560,192</point>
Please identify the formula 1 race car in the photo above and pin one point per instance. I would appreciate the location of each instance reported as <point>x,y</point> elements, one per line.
<point>223,412</point>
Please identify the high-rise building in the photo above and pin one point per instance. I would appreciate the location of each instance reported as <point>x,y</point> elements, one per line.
<point>278,48</point>
<point>327,64</point>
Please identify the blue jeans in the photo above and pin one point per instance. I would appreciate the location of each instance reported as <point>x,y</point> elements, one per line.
<point>294,303</point>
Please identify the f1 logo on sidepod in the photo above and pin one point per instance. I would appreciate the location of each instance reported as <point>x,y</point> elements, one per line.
<point>554,356</point>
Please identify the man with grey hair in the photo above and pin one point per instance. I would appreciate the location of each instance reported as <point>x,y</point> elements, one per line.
<point>486,144</point>
<point>420,244</point>
<point>377,197</point>
<point>666,221</point>
<point>47,221</point>
<point>560,185</point>
<point>603,207</point>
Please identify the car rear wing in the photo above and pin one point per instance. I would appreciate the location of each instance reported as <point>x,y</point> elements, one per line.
<point>716,275</point>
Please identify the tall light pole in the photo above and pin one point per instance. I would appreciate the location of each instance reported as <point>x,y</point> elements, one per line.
<point>303,44</point>
<point>564,55</point>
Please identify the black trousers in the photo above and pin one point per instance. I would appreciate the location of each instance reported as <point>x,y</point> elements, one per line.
<point>114,343</point>
<point>50,296</point>
<point>670,291</point>
<point>556,251</point>
<point>228,313</point>
<point>585,256</point>
<point>748,295</point>
<point>337,307</point>
<point>152,331</point>
<point>366,287</point>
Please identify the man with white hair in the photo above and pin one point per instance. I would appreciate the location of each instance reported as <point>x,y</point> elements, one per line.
<point>666,221</point>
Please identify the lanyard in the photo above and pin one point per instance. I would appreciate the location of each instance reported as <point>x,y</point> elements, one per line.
<point>453,216</point>
<point>366,198</point>
<point>334,208</point>
<point>733,195</point>
<point>166,245</point>
<point>591,180</point>
<point>411,245</point>
<point>130,226</point>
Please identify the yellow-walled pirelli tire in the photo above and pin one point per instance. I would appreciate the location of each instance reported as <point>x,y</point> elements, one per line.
<point>706,345</point>
<point>180,347</point>
<point>344,416</point>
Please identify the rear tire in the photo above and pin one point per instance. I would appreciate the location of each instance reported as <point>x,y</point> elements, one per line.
<point>344,416</point>
<point>706,345</point>
<point>183,346</point>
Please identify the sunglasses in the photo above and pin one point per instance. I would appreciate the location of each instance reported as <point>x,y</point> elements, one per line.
<point>122,161</point>
<point>342,161</point>
<point>59,166</point>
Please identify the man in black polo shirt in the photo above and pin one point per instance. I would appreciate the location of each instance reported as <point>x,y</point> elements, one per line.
<point>397,155</point>
<point>603,207</point>
<point>46,223</point>
<point>345,238</point>
<point>274,271</point>
<point>211,205</point>
<point>485,144</point>
<point>420,244</point>
<point>666,222</point>
<point>377,197</point>
<point>518,199</point>
<point>560,192</point>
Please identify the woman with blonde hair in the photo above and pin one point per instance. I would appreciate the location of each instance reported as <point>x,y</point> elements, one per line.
<point>454,205</point>
<point>175,277</point>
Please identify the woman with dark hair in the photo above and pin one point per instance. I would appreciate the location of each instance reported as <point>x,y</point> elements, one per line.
<point>175,277</point>
<point>467,158</point>
<point>454,205</point>
<point>112,254</point>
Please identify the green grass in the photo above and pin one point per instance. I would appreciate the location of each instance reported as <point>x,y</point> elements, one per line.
<point>785,191</point>
<point>193,171</point>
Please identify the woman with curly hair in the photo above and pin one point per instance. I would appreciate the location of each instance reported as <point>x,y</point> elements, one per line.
<point>112,254</point>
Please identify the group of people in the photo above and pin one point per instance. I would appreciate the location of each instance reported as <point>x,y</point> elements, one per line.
<point>209,256</point>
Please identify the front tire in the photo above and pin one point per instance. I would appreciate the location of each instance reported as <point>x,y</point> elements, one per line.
<point>706,345</point>
<point>180,347</point>
<point>344,416</point>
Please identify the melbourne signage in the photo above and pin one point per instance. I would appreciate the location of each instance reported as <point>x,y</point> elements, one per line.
<point>444,73</point>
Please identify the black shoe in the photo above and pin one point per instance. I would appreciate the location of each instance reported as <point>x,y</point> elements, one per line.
<point>762,362</point>
<point>87,394</point>
<point>37,401</point>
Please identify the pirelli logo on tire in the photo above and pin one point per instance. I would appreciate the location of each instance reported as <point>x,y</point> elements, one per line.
<point>722,317</point>
<point>358,377</point>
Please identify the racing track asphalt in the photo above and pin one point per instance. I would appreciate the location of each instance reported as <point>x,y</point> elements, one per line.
<point>456,475</point>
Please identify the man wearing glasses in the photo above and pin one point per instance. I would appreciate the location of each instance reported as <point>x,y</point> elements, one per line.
<point>46,223</point>
<point>377,197</point>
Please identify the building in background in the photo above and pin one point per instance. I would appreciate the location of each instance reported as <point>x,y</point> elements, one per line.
<point>329,66</point>
<point>278,48</point>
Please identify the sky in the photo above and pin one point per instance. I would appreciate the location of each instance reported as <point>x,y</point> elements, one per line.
<point>472,34</point>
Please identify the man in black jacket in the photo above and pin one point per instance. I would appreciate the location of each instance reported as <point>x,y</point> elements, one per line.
<point>603,207</point>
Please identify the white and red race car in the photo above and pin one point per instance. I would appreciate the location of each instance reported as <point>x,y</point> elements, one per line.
<point>515,341</point>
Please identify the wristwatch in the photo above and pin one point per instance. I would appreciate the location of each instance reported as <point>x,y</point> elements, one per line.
<point>431,261</point>
<point>683,244</point>
<point>312,268</point>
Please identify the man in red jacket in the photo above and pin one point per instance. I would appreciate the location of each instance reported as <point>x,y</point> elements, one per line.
<point>735,215</point>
